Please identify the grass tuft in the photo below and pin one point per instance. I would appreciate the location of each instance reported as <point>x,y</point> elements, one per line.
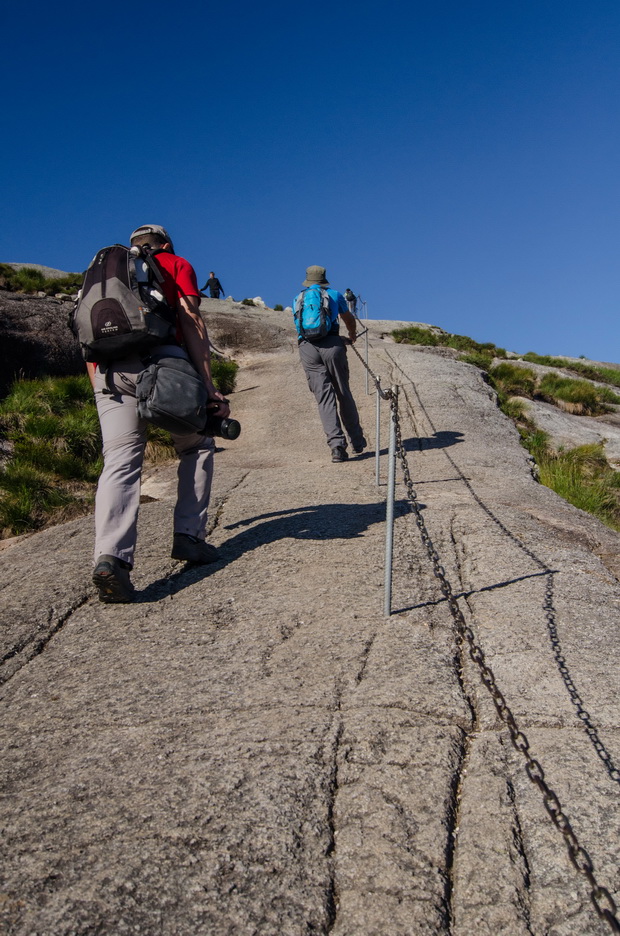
<point>607,375</point>
<point>224,374</point>
<point>53,431</point>
<point>576,396</point>
<point>415,334</point>
<point>31,280</point>
<point>514,380</point>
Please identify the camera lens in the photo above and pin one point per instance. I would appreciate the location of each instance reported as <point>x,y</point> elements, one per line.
<point>223,428</point>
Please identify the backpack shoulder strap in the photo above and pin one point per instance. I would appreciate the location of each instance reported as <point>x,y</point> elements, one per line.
<point>148,256</point>
<point>299,312</point>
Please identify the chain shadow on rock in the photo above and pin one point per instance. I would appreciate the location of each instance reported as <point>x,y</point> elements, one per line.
<point>433,602</point>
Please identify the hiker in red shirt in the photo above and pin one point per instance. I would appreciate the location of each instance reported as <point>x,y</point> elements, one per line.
<point>124,437</point>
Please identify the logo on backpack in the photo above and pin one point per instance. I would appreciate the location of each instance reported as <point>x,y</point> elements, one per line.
<point>121,309</point>
<point>312,313</point>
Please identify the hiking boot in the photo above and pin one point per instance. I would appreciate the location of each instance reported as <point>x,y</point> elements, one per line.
<point>111,577</point>
<point>191,549</point>
<point>339,454</point>
<point>359,448</point>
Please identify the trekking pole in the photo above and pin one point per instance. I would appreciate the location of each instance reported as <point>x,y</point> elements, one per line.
<point>389,514</point>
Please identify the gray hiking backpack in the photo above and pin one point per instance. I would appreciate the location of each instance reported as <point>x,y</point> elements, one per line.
<point>312,313</point>
<point>121,309</point>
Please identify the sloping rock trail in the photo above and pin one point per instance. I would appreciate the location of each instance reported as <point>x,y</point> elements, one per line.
<point>253,748</point>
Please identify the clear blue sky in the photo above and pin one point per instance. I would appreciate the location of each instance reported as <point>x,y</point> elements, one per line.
<point>454,162</point>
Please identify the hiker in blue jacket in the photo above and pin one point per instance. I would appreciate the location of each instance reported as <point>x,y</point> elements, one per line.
<point>323,356</point>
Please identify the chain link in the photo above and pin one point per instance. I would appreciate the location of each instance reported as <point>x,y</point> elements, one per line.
<point>600,896</point>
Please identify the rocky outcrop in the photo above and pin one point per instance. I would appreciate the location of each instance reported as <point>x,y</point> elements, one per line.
<point>48,272</point>
<point>35,339</point>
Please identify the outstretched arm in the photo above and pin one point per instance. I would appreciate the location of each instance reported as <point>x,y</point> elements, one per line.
<point>196,340</point>
<point>349,321</point>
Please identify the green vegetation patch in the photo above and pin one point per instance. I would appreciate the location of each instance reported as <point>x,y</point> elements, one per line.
<point>582,476</point>
<point>224,373</point>
<point>481,359</point>
<point>576,396</point>
<point>31,280</point>
<point>53,431</point>
<point>580,397</point>
<point>414,334</point>
<point>514,380</point>
<point>608,375</point>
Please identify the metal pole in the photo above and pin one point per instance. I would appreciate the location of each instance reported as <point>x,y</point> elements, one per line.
<point>378,436</point>
<point>389,515</point>
<point>366,337</point>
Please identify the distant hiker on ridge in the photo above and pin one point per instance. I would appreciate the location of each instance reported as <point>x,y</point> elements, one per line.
<point>323,354</point>
<point>214,285</point>
<point>351,298</point>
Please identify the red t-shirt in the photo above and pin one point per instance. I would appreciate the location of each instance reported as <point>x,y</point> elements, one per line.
<point>179,277</point>
<point>179,280</point>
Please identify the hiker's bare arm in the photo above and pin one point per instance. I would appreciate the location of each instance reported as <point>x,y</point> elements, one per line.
<point>349,321</point>
<point>196,340</point>
<point>90,370</point>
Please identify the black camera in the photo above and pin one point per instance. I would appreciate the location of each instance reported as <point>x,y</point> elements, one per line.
<point>222,428</point>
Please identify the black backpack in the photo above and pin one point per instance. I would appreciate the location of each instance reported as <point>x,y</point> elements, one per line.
<point>121,309</point>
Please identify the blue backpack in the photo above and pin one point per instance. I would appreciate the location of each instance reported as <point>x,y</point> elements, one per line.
<point>312,314</point>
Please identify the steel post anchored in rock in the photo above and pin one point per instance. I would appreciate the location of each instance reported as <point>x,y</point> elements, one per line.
<point>254,748</point>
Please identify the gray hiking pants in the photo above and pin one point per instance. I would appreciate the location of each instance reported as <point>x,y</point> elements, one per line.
<point>327,369</point>
<point>124,439</point>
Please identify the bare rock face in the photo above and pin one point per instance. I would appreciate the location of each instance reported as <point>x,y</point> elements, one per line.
<point>235,327</point>
<point>35,339</point>
<point>253,747</point>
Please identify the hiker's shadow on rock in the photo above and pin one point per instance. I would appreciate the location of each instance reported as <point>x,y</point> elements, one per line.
<point>187,575</point>
<point>316,522</point>
<point>439,440</point>
<point>415,444</point>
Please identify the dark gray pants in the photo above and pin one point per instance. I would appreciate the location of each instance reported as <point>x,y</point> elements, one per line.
<point>327,369</point>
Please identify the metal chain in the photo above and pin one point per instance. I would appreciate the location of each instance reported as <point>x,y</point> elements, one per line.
<point>601,898</point>
<point>550,615</point>
<point>582,713</point>
<point>386,394</point>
